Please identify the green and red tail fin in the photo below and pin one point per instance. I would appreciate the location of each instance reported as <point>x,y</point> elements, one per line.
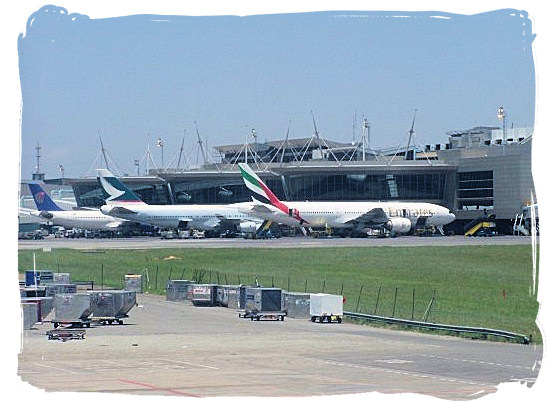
<point>256,185</point>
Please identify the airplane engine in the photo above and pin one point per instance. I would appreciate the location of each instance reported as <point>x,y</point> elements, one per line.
<point>399,225</point>
<point>46,215</point>
<point>105,209</point>
<point>248,227</point>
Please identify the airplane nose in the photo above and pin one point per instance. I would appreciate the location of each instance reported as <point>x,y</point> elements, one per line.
<point>105,209</point>
<point>452,217</point>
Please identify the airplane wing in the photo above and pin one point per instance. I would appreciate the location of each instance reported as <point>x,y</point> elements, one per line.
<point>213,222</point>
<point>29,212</point>
<point>122,210</point>
<point>374,217</point>
<point>262,208</point>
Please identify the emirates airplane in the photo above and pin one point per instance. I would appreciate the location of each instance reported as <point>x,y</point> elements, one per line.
<point>395,217</point>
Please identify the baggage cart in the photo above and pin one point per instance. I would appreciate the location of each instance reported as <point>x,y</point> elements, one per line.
<point>179,290</point>
<point>65,334</point>
<point>111,306</point>
<point>72,309</point>
<point>204,295</point>
<point>263,304</point>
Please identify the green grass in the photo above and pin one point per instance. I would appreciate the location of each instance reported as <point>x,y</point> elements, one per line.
<point>479,286</point>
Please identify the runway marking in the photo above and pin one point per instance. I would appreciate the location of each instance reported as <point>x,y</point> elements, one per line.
<point>393,361</point>
<point>478,362</point>
<point>405,373</point>
<point>192,364</point>
<point>150,386</point>
<point>55,368</point>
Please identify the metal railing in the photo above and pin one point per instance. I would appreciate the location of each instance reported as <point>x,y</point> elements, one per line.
<point>442,327</point>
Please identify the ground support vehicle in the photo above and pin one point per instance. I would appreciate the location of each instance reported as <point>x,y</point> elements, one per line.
<point>65,334</point>
<point>326,308</point>
<point>263,315</point>
<point>109,320</point>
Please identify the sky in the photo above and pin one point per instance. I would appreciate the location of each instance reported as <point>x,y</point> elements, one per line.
<point>104,74</point>
<point>136,78</point>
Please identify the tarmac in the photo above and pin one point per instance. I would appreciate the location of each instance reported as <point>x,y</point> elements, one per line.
<point>284,242</point>
<point>176,349</point>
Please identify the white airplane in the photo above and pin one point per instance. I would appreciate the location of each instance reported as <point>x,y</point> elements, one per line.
<point>125,204</point>
<point>395,217</point>
<point>84,219</point>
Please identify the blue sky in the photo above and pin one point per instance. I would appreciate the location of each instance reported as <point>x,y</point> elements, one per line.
<point>126,77</point>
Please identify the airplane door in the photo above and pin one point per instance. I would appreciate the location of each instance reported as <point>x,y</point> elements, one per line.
<point>290,212</point>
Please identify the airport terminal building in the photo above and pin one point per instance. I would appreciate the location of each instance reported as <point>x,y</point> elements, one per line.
<point>478,171</point>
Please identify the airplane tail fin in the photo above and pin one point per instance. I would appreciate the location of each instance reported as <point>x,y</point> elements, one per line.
<point>256,185</point>
<point>42,199</point>
<point>115,191</point>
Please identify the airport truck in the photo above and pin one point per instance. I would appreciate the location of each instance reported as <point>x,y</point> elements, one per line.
<point>324,307</point>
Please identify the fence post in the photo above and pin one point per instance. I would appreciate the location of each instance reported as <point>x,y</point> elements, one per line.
<point>394,302</point>
<point>342,289</point>
<point>217,273</point>
<point>377,300</point>
<point>305,287</point>
<point>239,278</point>
<point>324,281</point>
<point>182,272</point>
<point>412,314</point>
<point>429,308</point>
<point>157,277</point>
<point>288,284</point>
<point>272,281</point>
<point>102,287</point>
<point>359,298</point>
<point>170,276</point>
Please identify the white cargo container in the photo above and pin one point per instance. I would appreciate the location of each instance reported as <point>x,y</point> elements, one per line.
<point>325,307</point>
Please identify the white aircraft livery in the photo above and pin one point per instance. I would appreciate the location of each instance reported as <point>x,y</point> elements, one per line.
<point>84,219</point>
<point>395,217</point>
<point>123,203</point>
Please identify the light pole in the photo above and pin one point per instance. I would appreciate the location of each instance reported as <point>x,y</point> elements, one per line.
<point>501,115</point>
<point>160,144</point>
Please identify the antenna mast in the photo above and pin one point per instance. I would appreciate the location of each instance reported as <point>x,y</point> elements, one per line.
<point>37,175</point>
<point>200,143</point>
<point>181,149</point>
<point>411,132</point>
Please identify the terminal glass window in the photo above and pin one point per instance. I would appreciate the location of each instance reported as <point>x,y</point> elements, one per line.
<point>475,190</point>
<point>366,186</point>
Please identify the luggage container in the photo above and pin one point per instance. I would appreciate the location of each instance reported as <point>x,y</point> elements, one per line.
<point>30,314</point>
<point>61,277</point>
<point>44,306</point>
<point>33,277</point>
<point>33,291</point>
<point>178,290</point>
<point>325,307</point>
<point>72,308</point>
<point>204,295</point>
<point>296,304</point>
<point>133,283</point>
<point>228,296</point>
<point>111,306</point>
<point>54,288</point>
<point>264,303</point>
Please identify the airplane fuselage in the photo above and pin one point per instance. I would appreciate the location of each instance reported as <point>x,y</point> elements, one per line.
<point>342,214</point>
<point>80,219</point>
<point>200,217</point>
